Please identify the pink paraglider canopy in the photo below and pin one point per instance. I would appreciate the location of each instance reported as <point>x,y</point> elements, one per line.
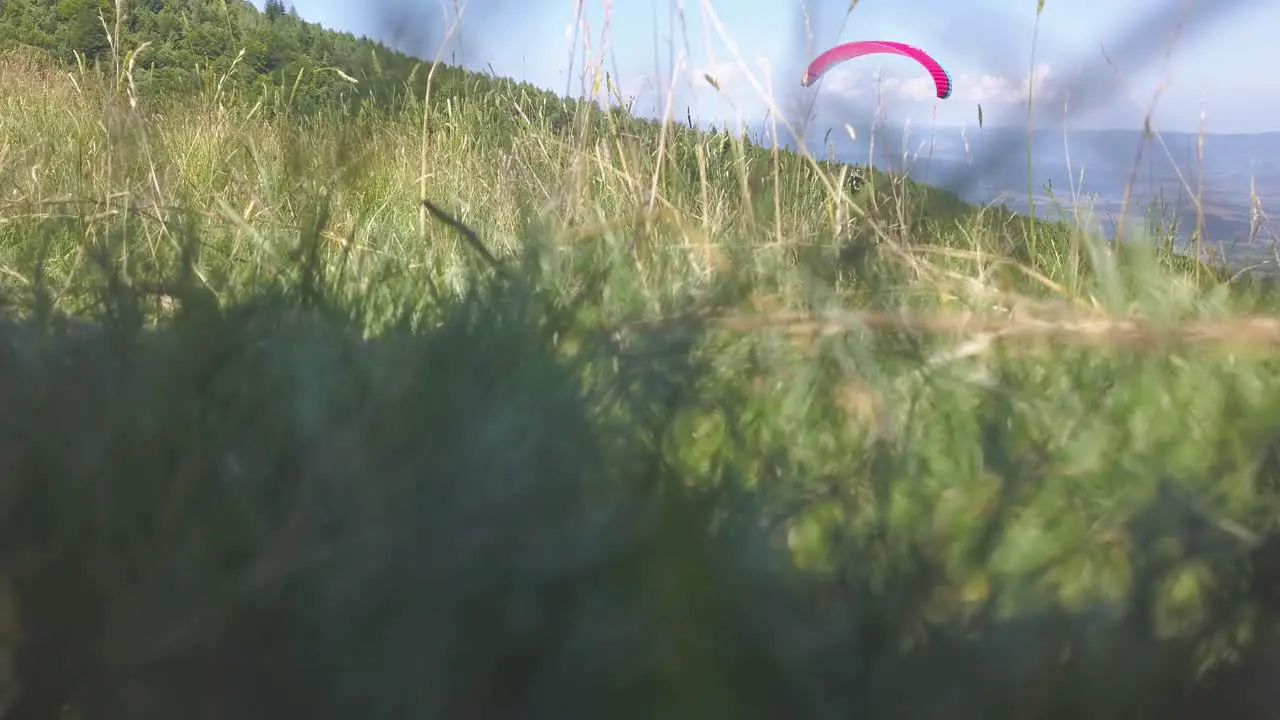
<point>847,51</point>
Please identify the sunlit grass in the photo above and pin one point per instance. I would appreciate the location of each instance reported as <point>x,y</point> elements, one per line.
<point>668,393</point>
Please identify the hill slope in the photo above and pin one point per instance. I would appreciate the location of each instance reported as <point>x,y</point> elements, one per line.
<point>236,51</point>
<point>655,423</point>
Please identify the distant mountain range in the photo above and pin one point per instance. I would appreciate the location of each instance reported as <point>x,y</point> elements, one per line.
<point>1238,181</point>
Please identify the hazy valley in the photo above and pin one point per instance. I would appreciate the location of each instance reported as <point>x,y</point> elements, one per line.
<point>1086,174</point>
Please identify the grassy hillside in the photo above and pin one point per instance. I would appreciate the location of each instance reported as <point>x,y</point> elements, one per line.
<point>627,421</point>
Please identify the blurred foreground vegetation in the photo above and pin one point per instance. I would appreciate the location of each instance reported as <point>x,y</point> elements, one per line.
<point>631,421</point>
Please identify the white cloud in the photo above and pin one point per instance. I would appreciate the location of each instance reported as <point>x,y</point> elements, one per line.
<point>848,83</point>
<point>701,84</point>
<point>721,76</point>
<point>968,89</point>
<point>724,90</point>
<point>713,90</point>
<point>997,90</point>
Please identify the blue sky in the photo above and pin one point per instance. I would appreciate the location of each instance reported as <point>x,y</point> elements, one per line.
<point>1221,65</point>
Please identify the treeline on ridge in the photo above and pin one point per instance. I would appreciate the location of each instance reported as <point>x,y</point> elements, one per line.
<point>244,54</point>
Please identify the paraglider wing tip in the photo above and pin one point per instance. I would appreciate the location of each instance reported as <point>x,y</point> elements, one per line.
<point>804,79</point>
<point>946,90</point>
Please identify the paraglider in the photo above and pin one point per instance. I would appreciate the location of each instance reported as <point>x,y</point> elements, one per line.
<point>848,51</point>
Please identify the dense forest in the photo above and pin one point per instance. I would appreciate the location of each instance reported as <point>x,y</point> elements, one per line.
<point>242,54</point>
<point>247,52</point>
<point>255,51</point>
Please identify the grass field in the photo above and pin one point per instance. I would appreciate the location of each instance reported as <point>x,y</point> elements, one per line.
<point>642,422</point>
